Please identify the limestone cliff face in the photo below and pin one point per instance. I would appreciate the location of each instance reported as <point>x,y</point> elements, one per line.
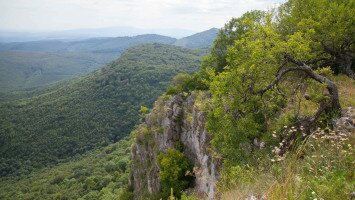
<point>174,123</point>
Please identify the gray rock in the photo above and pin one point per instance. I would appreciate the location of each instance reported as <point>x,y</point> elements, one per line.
<point>182,123</point>
<point>346,123</point>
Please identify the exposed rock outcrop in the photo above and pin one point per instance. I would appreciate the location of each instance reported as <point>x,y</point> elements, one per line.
<point>346,123</point>
<point>177,122</point>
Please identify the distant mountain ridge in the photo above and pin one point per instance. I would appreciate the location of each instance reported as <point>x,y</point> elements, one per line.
<point>37,63</point>
<point>32,64</point>
<point>113,44</point>
<point>79,34</point>
<point>199,40</point>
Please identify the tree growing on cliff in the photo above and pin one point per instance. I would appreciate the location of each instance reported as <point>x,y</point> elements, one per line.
<point>264,69</point>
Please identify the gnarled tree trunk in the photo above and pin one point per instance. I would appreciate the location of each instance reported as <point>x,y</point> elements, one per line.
<point>331,106</point>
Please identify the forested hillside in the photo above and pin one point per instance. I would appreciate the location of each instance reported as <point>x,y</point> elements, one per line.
<point>31,64</point>
<point>22,70</point>
<point>88,112</point>
<point>25,65</point>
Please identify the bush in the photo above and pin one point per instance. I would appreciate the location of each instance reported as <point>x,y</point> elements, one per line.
<point>126,194</point>
<point>173,169</point>
<point>186,83</point>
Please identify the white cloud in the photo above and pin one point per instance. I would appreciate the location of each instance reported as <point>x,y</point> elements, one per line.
<point>40,15</point>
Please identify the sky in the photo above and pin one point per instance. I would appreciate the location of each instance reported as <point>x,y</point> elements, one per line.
<point>55,15</point>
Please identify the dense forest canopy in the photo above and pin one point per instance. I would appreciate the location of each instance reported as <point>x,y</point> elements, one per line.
<point>99,174</point>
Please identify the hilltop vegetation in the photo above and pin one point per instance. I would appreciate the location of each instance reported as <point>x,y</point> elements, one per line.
<point>277,81</point>
<point>88,112</point>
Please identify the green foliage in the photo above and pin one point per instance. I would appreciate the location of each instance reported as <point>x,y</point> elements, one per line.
<point>188,197</point>
<point>84,177</point>
<point>143,111</point>
<point>173,172</point>
<point>21,70</point>
<point>93,111</point>
<point>245,59</point>
<point>333,25</point>
<point>240,113</point>
<point>186,83</point>
<point>325,172</point>
<point>232,31</point>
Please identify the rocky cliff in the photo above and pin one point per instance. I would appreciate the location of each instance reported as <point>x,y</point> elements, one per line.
<point>179,122</point>
<point>174,122</point>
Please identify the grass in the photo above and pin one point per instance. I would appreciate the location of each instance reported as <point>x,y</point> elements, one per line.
<point>346,87</point>
<point>322,167</point>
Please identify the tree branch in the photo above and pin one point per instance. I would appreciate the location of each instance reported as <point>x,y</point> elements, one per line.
<point>332,105</point>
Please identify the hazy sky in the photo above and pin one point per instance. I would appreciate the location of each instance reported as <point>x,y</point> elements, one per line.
<point>49,15</point>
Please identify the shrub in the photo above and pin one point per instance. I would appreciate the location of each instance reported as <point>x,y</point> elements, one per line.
<point>173,172</point>
<point>126,194</point>
<point>186,83</point>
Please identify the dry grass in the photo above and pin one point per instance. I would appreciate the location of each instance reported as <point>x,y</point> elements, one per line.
<point>346,88</point>
<point>258,188</point>
<point>325,172</point>
<point>266,185</point>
